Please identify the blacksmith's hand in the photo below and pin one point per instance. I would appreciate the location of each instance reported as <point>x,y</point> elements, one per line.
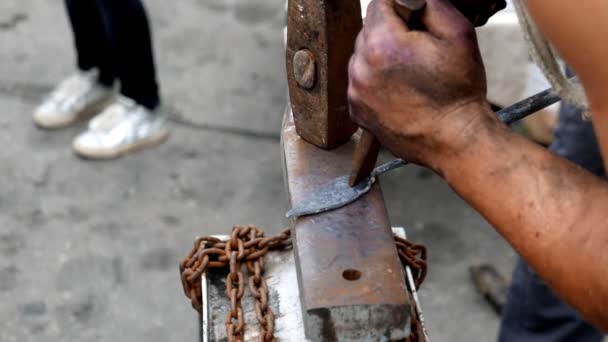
<point>422,93</point>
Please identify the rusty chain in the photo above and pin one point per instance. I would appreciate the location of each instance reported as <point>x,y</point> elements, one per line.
<point>248,246</point>
<point>235,324</point>
<point>414,256</point>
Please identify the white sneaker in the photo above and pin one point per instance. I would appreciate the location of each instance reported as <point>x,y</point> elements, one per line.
<point>78,97</point>
<point>122,127</point>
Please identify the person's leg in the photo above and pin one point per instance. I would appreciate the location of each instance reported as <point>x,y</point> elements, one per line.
<point>88,91</point>
<point>533,313</point>
<point>132,121</point>
<point>127,25</point>
<point>91,39</point>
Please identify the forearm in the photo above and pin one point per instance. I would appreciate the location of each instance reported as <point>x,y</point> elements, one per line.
<point>552,212</point>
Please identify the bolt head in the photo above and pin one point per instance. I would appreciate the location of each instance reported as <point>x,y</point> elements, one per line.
<point>304,69</point>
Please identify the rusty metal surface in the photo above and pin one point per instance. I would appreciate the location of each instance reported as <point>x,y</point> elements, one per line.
<point>350,277</point>
<point>327,29</point>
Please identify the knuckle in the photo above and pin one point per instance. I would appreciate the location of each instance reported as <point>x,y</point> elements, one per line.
<point>357,72</point>
<point>356,81</point>
<point>376,51</point>
<point>352,95</point>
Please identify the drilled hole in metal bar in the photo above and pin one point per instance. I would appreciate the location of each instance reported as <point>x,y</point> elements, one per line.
<point>351,275</point>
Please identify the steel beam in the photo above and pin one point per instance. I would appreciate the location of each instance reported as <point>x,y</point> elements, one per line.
<point>350,278</point>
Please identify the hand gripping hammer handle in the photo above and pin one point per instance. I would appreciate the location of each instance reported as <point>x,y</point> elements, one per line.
<point>368,147</point>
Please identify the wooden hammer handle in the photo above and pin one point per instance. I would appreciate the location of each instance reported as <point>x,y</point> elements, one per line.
<point>368,147</point>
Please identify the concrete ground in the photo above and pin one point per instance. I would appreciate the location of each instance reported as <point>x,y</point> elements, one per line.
<point>89,250</point>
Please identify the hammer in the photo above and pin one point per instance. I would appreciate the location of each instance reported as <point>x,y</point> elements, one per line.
<point>368,147</point>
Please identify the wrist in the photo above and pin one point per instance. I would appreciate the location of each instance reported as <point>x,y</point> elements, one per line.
<point>471,129</point>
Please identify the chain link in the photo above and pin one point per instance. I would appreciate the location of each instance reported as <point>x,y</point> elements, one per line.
<point>414,256</point>
<point>249,246</point>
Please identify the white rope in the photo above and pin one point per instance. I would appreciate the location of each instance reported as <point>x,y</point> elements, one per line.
<point>547,60</point>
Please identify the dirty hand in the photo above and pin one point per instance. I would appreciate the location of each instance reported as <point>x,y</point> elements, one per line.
<point>421,93</point>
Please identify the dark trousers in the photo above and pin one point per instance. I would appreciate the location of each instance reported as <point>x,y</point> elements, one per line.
<point>114,36</point>
<point>533,312</point>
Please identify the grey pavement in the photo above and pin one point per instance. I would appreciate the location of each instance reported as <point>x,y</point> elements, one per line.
<point>89,250</point>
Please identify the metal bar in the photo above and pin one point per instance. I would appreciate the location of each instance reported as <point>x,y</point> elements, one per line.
<point>351,282</point>
<point>530,105</point>
<point>206,323</point>
<point>204,316</point>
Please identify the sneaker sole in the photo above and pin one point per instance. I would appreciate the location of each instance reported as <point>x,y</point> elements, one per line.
<point>109,154</point>
<point>84,114</point>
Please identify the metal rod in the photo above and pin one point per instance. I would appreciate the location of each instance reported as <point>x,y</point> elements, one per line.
<point>205,323</point>
<point>391,165</point>
<point>530,105</point>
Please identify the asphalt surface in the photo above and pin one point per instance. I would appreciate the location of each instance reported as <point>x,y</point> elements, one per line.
<point>89,250</point>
